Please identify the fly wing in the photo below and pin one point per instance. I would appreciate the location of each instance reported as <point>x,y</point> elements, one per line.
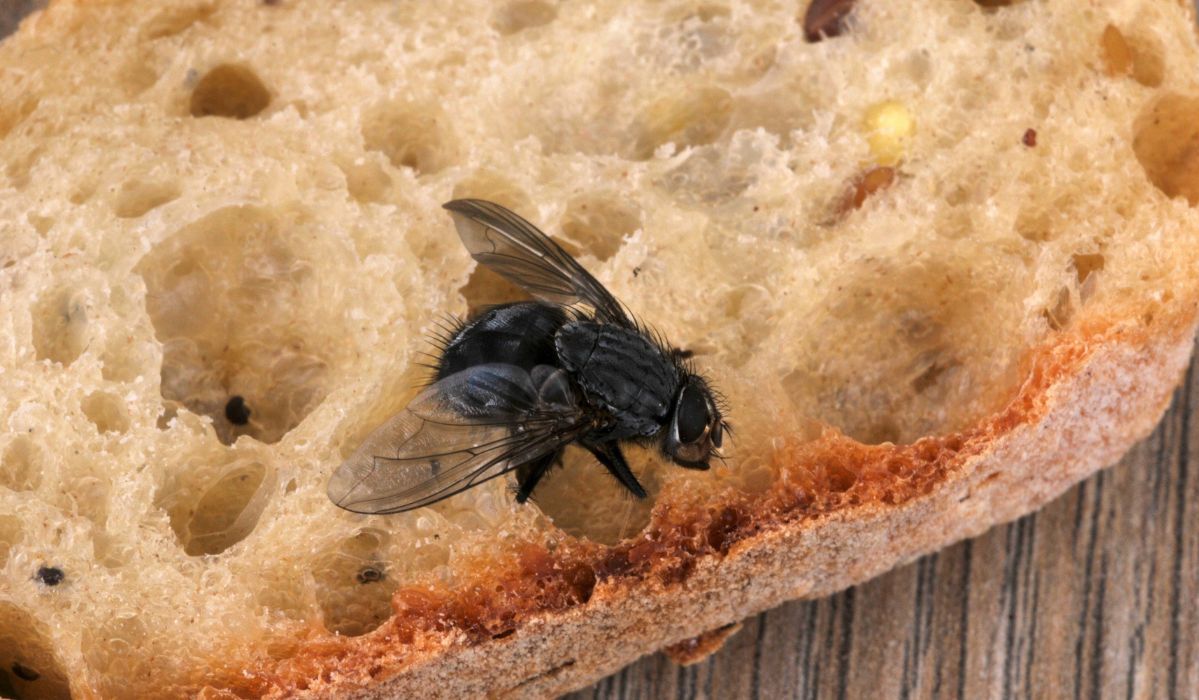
<point>516,249</point>
<point>465,429</point>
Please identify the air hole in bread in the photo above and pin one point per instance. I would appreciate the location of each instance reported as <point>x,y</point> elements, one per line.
<point>839,479</point>
<point>213,508</point>
<point>598,223</point>
<point>1138,57</point>
<point>584,500</point>
<point>137,197</point>
<point>1087,264</point>
<point>242,306</point>
<point>366,181</point>
<point>40,223</point>
<point>1166,143</point>
<point>353,584</point>
<point>11,533</point>
<point>411,135</point>
<point>22,465</point>
<point>230,90</point>
<point>106,411</point>
<point>29,669</point>
<point>176,20</point>
<point>60,326</point>
<point>694,116</point>
<point>520,15</point>
<point>1117,54</point>
<point>1086,267</point>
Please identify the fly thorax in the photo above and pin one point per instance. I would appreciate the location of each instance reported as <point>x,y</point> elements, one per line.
<point>620,371</point>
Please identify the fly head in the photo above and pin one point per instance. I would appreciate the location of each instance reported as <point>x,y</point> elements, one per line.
<point>696,428</point>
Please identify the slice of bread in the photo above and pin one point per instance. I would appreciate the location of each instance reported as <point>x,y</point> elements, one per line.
<point>940,256</point>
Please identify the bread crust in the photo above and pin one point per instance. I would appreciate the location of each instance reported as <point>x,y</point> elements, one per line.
<point>1088,398</point>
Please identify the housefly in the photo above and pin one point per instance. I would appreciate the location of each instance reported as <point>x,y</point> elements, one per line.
<point>518,382</point>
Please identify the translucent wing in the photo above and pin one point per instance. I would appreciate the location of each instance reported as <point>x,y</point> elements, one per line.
<point>465,429</point>
<point>516,249</point>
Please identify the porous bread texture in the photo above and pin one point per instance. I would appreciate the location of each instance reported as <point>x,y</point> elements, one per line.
<point>204,199</point>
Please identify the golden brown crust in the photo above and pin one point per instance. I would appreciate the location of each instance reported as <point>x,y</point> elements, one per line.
<point>1087,399</point>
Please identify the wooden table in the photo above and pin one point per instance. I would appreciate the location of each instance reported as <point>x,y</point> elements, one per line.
<point>1093,596</point>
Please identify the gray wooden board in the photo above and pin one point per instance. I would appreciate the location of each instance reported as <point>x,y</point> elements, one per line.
<point>1093,596</point>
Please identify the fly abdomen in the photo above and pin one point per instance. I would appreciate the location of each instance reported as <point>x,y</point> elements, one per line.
<point>520,334</point>
<point>622,371</point>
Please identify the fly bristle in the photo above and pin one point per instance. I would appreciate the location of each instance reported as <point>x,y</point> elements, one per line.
<point>445,328</point>
<point>431,378</point>
<point>718,397</point>
<point>658,338</point>
<point>579,313</point>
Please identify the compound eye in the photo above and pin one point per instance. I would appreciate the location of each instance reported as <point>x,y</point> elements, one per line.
<point>691,415</point>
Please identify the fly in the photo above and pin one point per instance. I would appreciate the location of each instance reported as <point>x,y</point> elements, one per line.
<point>518,382</point>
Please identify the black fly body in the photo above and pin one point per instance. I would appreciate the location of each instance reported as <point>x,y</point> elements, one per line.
<point>518,382</point>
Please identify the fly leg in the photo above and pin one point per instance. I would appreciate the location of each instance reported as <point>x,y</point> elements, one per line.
<point>609,455</point>
<point>532,472</point>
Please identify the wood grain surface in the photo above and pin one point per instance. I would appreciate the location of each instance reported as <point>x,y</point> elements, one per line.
<point>1094,596</point>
